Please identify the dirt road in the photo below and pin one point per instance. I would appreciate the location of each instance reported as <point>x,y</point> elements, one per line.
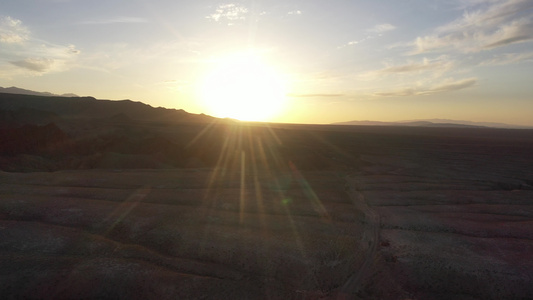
<point>369,239</point>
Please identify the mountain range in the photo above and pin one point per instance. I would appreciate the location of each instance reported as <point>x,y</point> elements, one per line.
<point>29,107</point>
<point>41,132</point>
<point>86,107</point>
<point>16,90</point>
<point>435,123</point>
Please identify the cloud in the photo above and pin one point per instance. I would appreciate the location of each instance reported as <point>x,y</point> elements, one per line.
<point>515,32</point>
<point>12,31</point>
<point>496,13</point>
<point>351,43</point>
<point>381,28</point>
<point>371,33</point>
<point>229,13</point>
<point>507,59</point>
<point>314,95</point>
<point>295,12</point>
<point>453,86</point>
<point>440,64</point>
<point>45,58</point>
<point>39,65</point>
<point>121,19</point>
<point>446,86</point>
<point>28,55</point>
<point>429,67</point>
<point>72,49</point>
<point>501,23</point>
<point>397,93</point>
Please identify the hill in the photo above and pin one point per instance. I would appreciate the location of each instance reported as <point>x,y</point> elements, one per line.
<point>48,133</point>
<point>91,108</point>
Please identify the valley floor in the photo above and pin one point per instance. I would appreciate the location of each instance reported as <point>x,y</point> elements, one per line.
<point>387,214</point>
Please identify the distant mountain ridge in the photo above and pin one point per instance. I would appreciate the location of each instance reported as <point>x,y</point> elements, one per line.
<point>48,133</point>
<point>27,105</point>
<point>20,104</point>
<point>16,90</point>
<point>435,123</point>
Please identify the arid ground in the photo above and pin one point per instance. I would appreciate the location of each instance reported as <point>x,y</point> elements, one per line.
<point>116,208</point>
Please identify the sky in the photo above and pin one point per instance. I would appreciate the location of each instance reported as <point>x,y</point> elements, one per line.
<point>334,61</point>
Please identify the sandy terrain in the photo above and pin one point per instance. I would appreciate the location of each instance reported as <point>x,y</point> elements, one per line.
<point>120,209</point>
<point>454,224</point>
<point>162,235</point>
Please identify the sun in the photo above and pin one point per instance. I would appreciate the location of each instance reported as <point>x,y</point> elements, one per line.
<point>244,87</point>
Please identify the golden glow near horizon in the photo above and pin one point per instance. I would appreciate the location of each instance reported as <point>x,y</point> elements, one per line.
<point>243,86</point>
<point>336,60</point>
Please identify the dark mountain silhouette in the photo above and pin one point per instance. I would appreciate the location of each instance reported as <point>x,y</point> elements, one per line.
<point>91,108</point>
<point>104,134</point>
<point>47,133</point>
<point>53,132</point>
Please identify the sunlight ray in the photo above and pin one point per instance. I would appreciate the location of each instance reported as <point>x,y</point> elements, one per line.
<point>200,134</point>
<point>124,208</point>
<point>296,234</point>
<point>242,197</point>
<point>310,193</point>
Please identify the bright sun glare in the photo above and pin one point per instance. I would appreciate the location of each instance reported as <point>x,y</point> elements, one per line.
<point>244,87</point>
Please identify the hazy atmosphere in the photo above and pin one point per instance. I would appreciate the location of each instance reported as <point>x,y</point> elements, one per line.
<point>281,61</point>
<point>266,149</point>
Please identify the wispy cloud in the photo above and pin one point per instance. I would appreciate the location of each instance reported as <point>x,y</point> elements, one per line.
<point>352,43</point>
<point>500,24</point>
<point>381,28</point>
<point>514,32</point>
<point>295,12</point>
<point>315,95</point>
<point>229,13</point>
<point>441,64</point>
<point>445,86</point>
<point>40,59</point>
<point>371,33</point>
<point>115,20</point>
<point>495,14</point>
<point>431,67</point>
<point>35,64</point>
<point>12,31</point>
<point>28,55</point>
<point>507,59</point>
<point>453,85</point>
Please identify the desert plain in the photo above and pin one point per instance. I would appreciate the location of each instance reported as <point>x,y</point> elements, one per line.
<point>113,207</point>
